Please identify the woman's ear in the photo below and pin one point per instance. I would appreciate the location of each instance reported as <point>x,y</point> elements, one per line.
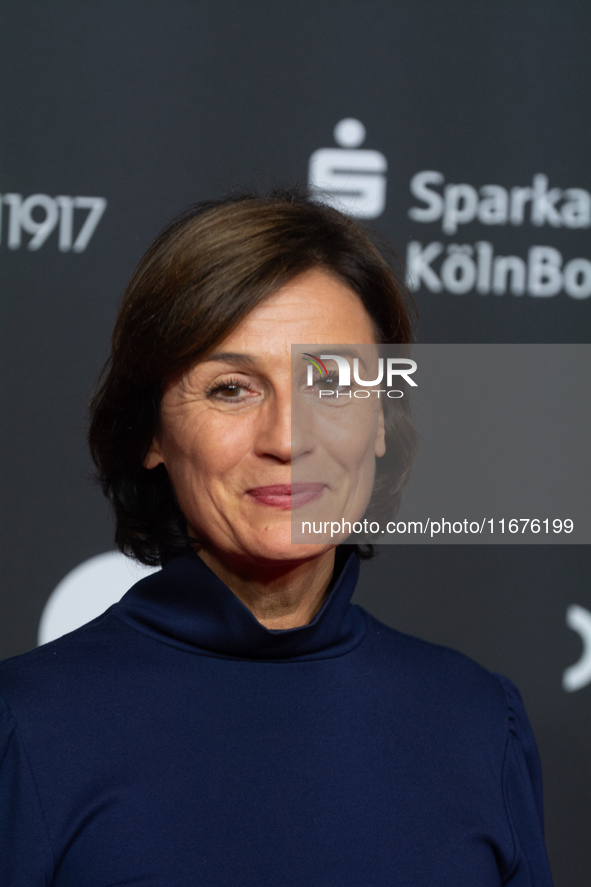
<point>381,436</point>
<point>154,456</point>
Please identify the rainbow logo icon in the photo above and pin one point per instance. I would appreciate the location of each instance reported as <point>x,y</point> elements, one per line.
<point>315,361</point>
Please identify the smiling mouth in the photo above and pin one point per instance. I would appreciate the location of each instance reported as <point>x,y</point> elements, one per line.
<point>286,496</point>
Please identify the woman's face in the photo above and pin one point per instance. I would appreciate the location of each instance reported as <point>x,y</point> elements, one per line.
<point>225,433</point>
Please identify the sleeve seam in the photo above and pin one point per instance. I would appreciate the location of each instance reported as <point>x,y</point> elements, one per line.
<point>19,739</point>
<point>513,866</point>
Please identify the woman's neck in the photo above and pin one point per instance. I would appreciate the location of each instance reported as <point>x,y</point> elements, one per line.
<point>278,595</point>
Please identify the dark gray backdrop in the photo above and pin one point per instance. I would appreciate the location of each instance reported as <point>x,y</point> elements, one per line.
<point>153,105</point>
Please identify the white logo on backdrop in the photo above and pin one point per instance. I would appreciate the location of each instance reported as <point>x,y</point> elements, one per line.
<point>579,675</point>
<point>466,267</point>
<point>353,180</point>
<point>348,178</point>
<point>87,591</point>
<point>76,219</point>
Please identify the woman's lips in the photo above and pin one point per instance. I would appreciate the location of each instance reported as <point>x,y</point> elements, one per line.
<point>286,496</point>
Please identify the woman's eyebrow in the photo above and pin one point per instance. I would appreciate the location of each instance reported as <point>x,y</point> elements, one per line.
<point>232,357</point>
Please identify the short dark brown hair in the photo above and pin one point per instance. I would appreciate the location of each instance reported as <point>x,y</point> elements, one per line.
<point>200,278</point>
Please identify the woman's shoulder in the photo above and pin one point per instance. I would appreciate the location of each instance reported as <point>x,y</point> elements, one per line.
<point>438,679</point>
<point>422,654</point>
<point>54,673</point>
<point>470,719</point>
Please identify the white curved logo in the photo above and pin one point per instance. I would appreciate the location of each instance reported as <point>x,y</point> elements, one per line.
<point>87,591</point>
<point>579,675</point>
<point>347,178</point>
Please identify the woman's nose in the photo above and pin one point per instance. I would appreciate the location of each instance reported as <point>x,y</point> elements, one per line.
<point>283,432</point>
<point>273,433</point>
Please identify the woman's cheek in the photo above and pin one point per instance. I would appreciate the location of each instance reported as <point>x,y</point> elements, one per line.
<point>349,435</point>
<point>221,440</point>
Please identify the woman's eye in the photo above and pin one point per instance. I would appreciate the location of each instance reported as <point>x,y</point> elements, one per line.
<point>229,391</point>
<point>324,381</point>
<point>329,383</point>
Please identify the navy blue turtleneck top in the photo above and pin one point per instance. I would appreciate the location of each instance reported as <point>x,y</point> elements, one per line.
<point>176,742</point>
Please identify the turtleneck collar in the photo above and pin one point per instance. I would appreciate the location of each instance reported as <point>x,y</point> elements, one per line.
<point>187,605</point>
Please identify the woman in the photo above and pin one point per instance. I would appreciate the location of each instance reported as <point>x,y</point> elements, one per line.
<point>234,719</point>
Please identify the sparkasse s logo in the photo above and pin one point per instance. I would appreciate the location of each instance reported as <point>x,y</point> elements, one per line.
<point>349,178</point>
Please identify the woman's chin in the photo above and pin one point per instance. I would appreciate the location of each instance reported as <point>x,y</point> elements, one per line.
<point>274,544</point>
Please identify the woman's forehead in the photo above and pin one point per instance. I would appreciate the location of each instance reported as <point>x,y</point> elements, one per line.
<point>313,307</point>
